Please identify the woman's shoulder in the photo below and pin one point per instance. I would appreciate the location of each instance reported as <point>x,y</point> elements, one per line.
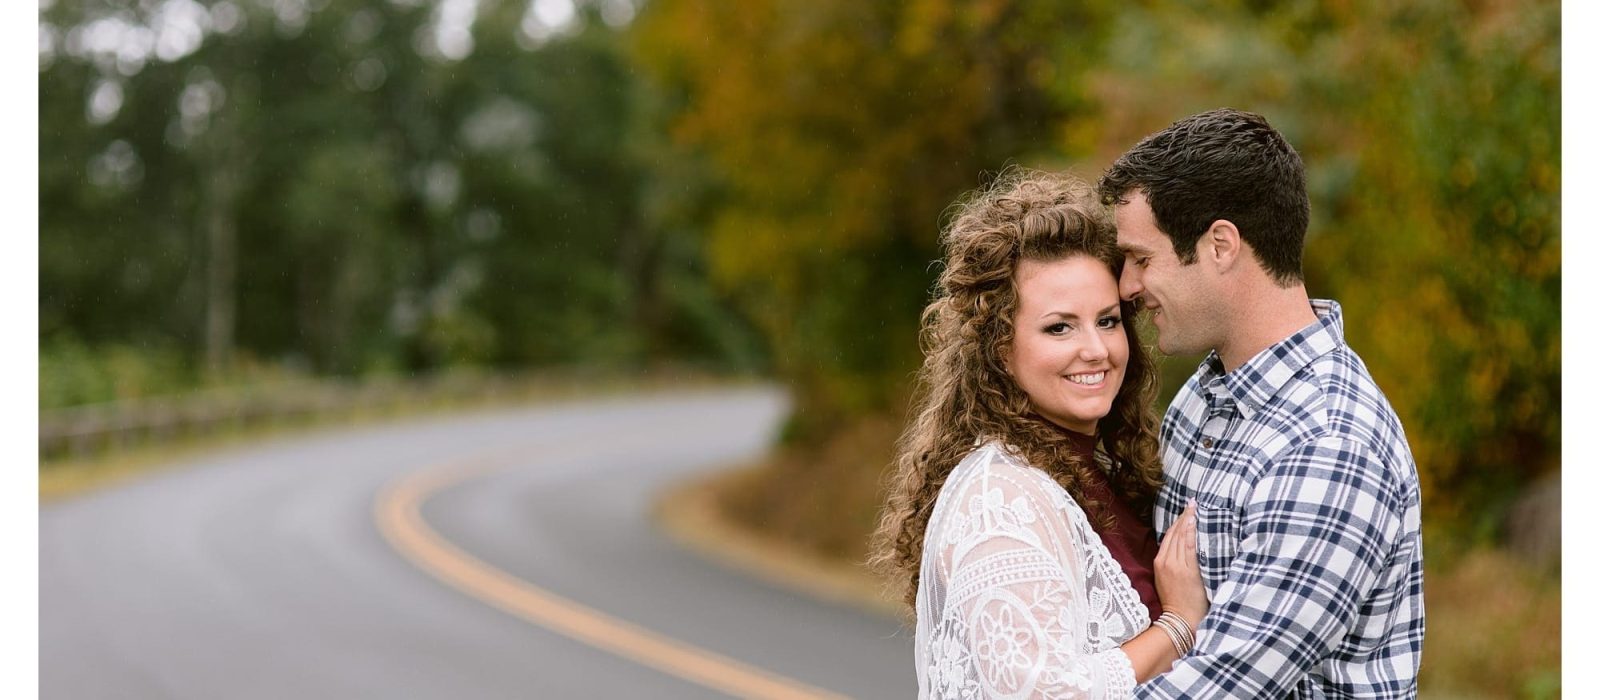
<point>994,492</point>
<point>988,455</point>
<point>992,464</point>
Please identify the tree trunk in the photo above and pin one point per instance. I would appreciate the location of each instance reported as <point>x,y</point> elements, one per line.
<point>218,207</point>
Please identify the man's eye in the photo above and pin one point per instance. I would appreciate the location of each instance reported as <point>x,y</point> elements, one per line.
<point>1143,262</point>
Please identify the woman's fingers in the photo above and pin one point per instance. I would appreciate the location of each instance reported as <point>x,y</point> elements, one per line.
<point>1192,529</point>
<point>1176,560</point>
<point>1182,564</point>
<point>1179,543</point>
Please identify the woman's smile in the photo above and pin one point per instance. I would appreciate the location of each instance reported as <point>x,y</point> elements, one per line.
<point>1091,380</point>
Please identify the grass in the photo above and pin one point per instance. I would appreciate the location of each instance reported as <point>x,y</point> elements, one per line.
<point>1494,629</point>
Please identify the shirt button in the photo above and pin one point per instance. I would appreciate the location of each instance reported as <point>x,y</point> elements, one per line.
<point>1207,443</point>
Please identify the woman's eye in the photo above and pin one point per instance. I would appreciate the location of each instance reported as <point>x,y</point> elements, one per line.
<point>1057,328</point>
<point>1110,322</point>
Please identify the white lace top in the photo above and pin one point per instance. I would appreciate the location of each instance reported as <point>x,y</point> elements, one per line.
<point>1018,597</point>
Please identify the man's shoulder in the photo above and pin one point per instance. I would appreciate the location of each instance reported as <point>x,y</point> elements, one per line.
<point>1335,399</point>
<point>1341,385</point>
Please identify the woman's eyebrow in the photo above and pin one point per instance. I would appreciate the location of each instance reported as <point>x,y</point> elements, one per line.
<point>1073,316</point>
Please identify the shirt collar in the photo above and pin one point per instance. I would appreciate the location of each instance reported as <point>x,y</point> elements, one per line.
<point>1252,384</point>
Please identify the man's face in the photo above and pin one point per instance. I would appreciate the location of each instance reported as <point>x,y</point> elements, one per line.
<point>1180,297</point>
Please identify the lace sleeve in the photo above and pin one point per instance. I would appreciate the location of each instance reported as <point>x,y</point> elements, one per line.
<point>1015,610</point>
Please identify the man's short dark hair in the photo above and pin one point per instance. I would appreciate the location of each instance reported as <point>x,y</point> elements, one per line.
<point>1222,164</point>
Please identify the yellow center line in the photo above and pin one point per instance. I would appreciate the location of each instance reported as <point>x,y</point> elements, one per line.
<point>399,517</point>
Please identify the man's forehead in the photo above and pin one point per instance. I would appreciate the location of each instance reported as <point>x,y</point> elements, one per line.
<point>1132,243</point>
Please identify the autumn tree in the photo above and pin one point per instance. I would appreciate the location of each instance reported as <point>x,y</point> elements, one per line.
<point>1431,135</point>
<point>833,134</point>
<point>836,133</point>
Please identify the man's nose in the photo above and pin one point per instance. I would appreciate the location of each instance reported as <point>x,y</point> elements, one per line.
<point>1129,285</point>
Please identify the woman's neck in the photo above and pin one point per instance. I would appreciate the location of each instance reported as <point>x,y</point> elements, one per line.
<point>1081,443</point>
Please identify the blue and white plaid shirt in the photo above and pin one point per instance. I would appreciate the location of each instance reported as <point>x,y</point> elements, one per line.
<point>1309,525</point>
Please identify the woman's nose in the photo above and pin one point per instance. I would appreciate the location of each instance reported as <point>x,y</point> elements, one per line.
<point>1093,348</point>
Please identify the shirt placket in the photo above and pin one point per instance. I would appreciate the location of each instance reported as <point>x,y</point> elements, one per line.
<point>1221,413</point>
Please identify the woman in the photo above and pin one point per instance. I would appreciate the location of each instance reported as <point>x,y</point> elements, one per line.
<point>1027,553</point>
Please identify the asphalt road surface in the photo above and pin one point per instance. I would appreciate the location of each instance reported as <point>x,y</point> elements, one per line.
<point>505,554</point>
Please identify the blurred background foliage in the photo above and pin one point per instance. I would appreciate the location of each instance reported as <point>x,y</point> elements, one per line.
<point>1431,131</point>
<point>352,188</point>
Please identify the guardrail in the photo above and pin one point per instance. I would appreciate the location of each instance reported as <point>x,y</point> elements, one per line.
<point>83,431</point>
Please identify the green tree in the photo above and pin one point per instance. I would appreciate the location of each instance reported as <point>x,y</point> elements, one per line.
<point>353,186</point>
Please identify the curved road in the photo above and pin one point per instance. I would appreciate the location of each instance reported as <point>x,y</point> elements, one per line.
<point>497,555</point>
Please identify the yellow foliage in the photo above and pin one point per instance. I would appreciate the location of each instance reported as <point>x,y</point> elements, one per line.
<point>839,131</point>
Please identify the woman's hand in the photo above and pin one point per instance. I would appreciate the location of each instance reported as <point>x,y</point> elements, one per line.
<point>1178,570</point>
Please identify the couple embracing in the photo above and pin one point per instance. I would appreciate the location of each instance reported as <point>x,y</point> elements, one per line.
<point>1262,540</point>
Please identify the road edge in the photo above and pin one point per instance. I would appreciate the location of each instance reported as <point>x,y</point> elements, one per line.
<point>64,479</point>
<point>687,513</point>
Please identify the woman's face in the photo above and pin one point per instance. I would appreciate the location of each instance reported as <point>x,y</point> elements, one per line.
<point>1070,349</point>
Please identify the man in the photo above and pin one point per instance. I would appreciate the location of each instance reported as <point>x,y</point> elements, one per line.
<point>1308,503</point>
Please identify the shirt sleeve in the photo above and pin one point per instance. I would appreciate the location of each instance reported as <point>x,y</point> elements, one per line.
<point>1313,539</point>
<point>1017,596</point>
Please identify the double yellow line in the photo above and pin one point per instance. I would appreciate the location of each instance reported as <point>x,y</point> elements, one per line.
<point>399,518</point>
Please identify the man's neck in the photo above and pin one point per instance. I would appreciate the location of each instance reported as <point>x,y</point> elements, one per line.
<point>1266,316</point>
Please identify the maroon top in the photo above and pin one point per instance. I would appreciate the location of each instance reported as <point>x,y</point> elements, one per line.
<point>1132,542</point>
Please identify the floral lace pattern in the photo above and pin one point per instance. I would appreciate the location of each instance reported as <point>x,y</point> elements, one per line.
<point>1018,597</point>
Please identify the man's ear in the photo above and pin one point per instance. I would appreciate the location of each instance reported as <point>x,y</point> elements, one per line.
<point>1224,245</point>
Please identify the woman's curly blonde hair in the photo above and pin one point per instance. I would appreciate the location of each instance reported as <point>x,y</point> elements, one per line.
<point>963,391</point>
